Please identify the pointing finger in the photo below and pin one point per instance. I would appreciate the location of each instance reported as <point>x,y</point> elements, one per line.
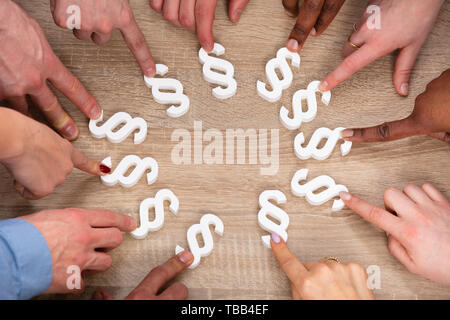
<point>384,132</point>
<point>91,166</point>
<point>204,17</point>
<point>162,274</point>
<point>69,85</point>
<point>135,41</point>
<point>289,263</point>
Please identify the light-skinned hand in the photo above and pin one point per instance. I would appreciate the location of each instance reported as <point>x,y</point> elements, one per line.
<point>417,221</point>
<point>98,18</point>
<point>327,280</point>
<point>197,16</point>
<point>78,237</point>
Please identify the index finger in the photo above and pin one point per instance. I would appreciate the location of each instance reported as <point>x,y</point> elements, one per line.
<point>289,263</point>
<point>88,165</point>
<point>354,62</point>
<point>309,12</point>
<point>135,41</point>
<point>108,219</point>
<point>375,215</point>
<point>204,19</point>
<point>162,274</point>
<point>69,85</point>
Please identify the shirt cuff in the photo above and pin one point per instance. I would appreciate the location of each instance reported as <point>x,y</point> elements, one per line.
<point>31,256</point>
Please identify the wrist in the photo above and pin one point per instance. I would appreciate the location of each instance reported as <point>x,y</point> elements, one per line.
<point>12,133</point>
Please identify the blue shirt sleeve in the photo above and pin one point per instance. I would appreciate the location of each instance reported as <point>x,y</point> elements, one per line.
<point>25,260</point>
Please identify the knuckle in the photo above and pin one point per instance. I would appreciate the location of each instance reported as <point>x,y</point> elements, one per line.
<point>356,268</point>
<point>389,192</point>
<point>314,5</point>
<point>35,81</point>
<point>384,131</point>
<point>306,283</point>
<point>202,12</point>
<point>298,31</point>
<point>126,16</point>
<point>169,15</point>
<point>104,26</point>
<point>186,21</point>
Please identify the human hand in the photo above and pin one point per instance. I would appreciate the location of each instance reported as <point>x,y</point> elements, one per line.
<point>314,17</point>
<point>431,115</point>
<point>404,25</point>
<point>37,157</point>
<point>97,20</point>
<point>197,16</point>
<point>417,222</point>
<point>150,288</point>
<point>328,280</point>
<point>75,236</point>
<point>27,62</point>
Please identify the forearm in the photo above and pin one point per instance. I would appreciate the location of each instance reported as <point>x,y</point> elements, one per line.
<point>12,126</point>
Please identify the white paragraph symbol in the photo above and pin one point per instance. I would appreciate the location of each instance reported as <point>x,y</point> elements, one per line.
<point>158,203</point>
<point>226,80</point>
<point>332,189</point>
<point>130,124</point>
<point>311,150</point>
<point>298,115</point>
<point>141,166</point>
<point>177,97</point>
<point>203,229</point>
<point>269,209</point>
<point>277,84</point>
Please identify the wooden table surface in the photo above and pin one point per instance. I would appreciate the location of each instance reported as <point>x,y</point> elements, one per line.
<point>240,267</point>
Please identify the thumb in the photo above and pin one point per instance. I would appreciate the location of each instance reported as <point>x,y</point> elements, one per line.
<point>403,67</point>
<point>88,165</point>
<point>235,9</point>
<point>385,132</point>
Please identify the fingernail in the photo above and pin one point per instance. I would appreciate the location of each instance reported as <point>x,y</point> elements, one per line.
<point>313,31</point>
<point>404,89</point>
<point>105,169</point>
<point>347,133</point>
<point>95,112</point>
<point>292,45</point>
<point>345,195</point>
<point>70,132</point>
<point>275,237</point>
<point>150,72</point>
<point>237,15</point>
<point>323,86</point>
<point>185,257</point>
<point>208,47</point>
<point>133,223</point>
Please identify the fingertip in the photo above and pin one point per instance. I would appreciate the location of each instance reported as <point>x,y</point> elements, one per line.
<point>103,169</point>
<point>132,223</point>
<point>345,196</point>
<point>404,89</point>
<point>95,112</point>
<point>208,46</point>
<point>324,86</point>
<point>186,258</point>
<point>292,45</point>
<point>71,131</point>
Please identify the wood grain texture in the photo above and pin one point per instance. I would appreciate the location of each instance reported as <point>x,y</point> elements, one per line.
<point>240,267</point>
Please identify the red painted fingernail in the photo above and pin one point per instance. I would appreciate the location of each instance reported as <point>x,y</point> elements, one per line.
<point>105,169</point>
